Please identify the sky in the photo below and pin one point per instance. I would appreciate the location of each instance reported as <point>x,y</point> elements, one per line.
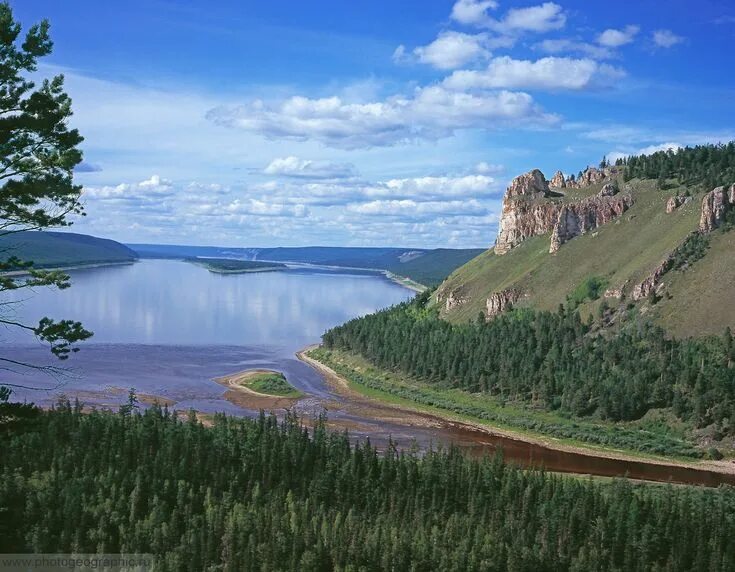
<point>368,123</point>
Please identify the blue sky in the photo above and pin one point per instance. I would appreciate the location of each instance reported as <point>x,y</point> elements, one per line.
<point>286,123</point>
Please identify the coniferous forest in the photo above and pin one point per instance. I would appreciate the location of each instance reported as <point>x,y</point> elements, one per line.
<point>263,495</point>
<point>554,360</point>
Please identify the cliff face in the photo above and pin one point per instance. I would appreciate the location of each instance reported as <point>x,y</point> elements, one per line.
<point>579,218</point>
<point>715,206</point>
<point>530,209</point>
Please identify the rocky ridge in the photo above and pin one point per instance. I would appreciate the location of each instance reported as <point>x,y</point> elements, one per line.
<point>531,208</point>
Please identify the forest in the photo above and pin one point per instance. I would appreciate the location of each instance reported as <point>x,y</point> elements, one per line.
<point>706,165</point>
<point>554,360</point>
<point>267,495</point>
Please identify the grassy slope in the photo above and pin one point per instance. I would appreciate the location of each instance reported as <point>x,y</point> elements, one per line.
<point>49,249</point>
<point>625,250</point>
<point>701,297</point>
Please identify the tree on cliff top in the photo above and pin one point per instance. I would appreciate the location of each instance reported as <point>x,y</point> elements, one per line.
<point>38,153</point>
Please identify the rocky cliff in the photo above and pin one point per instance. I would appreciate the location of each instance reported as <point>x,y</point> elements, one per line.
<point>715,206</point>
<point>530,208</point>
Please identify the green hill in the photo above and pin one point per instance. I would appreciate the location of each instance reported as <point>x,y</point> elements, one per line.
<point>693,299</point>
<point>64,249</point>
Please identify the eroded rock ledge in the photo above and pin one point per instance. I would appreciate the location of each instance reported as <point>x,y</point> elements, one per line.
<point>531,208</point>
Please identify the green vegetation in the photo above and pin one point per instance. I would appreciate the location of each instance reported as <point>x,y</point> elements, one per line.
<point>591,288</point>
<point>259,495</point>
<point>233,266</point>
<point>271,383</point>
<point>555,362</point>
<point>705,165</point>
<point>64,249</point>
<point>648,435</point>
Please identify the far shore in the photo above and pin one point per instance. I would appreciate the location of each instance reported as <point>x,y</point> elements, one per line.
<point>69,267</point>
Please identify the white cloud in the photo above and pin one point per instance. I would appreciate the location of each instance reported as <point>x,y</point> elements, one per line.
<point>666,38</point>
<point>417,209</point>
<point>473,12</point>
<point>485,168</point>
<point>550,73</point>
<point>542,18</point>
<point>431,113</point>
<point>568,46</point>
<point>452,49</point>
<point>612,38</point>
<point>295,167</point>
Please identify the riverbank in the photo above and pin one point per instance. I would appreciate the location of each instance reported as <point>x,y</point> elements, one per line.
<point>564,455</point>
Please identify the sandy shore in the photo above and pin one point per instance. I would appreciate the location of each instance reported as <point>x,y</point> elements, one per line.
<point>416,416</point>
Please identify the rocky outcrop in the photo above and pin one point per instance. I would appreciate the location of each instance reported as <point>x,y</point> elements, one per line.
<point>531,209</point>
<point>675,202</point>
<point>715,206</point>
<point>575,219</point>
<point>452,299</point>
<point>558,181</point>
<point>591,176</point>
<point>524,214</point>
<point>653,282</point>
<point>499,302</point>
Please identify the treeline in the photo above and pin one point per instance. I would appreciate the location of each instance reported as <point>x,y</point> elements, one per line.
<point>258,495</point>
<point>555,361</point>
<point>706,165</point>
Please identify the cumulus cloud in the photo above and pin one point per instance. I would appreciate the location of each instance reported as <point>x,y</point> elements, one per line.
<point>649,150</point>
<point>666,38</point>
<point>550,73</point>
<point>473,12</point>
<point>569,46</point>
<point>430,113</point>
<point>541,18</point>
<point>152,189</point>
<point>303,168</point>
<point>612,38</point>
<point>452,49</point>
<point>417,209</point>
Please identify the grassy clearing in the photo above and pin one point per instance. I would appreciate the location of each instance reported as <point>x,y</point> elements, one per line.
<point>653,436</point>
<point>271,383</point>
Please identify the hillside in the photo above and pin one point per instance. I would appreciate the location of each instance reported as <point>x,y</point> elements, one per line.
<point>428,267</point>
<point>621,254</point>
<point>63,249</point>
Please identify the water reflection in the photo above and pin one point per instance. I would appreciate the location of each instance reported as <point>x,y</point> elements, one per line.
<point>177,303</point>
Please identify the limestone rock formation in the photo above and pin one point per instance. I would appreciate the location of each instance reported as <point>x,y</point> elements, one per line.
<point>675,202</point>
<point>653,282</point>
<point>524,215</point>
<point>499,302</point>
<point>452,299</point>
<point>558,181</point>
<point>591,176</point>
<point>529,209</point>
<point>579,218</point>
<point>715,206</point>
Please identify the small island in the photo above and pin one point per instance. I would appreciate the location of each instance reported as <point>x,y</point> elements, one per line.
<point>260,389</point>
<point>235,266</point>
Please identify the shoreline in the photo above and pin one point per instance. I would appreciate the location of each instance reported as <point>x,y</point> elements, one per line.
<point>70,267</point>
<point>343,386</point>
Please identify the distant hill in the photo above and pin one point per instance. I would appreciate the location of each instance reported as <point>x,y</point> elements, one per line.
<point>63,249</point>
<point>658,247</point>
<point>428,267</point>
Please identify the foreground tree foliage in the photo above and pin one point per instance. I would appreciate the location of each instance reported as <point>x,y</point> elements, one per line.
<point>259,495</point>
<point>555,361</point>
<point>38,153</point>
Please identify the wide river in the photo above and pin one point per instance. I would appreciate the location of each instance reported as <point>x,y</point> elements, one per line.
<point>168,328</point>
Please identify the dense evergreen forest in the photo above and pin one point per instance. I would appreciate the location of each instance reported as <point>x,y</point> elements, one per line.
<point>263,495</point>
<point>554,360</point>
<point>706,165</point>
